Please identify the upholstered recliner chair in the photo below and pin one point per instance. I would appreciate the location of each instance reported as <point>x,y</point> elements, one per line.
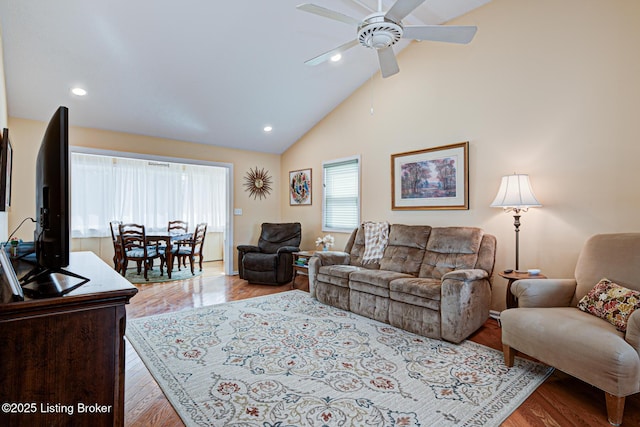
<point>271,261</point>
<point>549,326</point>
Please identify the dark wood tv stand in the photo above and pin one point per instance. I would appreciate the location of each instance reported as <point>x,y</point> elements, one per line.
<point>62,358</point>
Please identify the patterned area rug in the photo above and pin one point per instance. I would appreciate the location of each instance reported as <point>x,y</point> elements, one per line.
<point>155,277</point>
<point>288,360</point>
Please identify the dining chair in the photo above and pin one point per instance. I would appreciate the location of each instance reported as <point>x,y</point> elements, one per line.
<point>190,248</point>
<point>178,227</point>
<point>117,247</point>
<point>135,247</point>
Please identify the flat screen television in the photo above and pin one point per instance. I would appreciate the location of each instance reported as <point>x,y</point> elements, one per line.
<point>53,214</point>
<point>6,163</point>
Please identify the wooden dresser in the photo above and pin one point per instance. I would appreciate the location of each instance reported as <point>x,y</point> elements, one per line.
<point>62,358</point>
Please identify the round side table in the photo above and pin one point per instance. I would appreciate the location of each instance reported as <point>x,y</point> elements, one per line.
<point>512,302</point>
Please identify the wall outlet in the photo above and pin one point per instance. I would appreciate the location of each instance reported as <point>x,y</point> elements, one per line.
<point>237,211</point>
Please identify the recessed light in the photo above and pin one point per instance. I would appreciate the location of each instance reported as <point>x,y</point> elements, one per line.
<point>267,128</point>
<point>335,58</point>
<point>78,91</point>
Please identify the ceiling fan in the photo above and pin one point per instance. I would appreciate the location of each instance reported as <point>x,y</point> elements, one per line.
<point>381,30</point>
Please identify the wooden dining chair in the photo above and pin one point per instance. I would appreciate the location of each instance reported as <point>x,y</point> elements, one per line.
<point>190,248</point>
<point>135,247</point>
<point>118,258</point>
<point>178,227</point>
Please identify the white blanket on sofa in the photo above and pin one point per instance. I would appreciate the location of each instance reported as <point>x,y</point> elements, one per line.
<point>376,237</point>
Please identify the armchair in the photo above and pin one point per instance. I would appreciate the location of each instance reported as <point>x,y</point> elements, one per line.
<point>270,261</point>
<point>550,327</point>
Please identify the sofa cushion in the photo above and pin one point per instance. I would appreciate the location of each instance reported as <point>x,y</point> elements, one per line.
<point>258,261</point>
<point>275,236</point>
<point>336,274</point>
<point>450,248</point>
<point>574,342</point>
<point>362,279</point>
<point>405,250</point>
<point>611,302</point>
<point>614,256</point>
<point>357,251</point>
<point>421,292</point>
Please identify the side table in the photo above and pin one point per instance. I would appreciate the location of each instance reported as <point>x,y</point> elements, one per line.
<point>512,302</point>
<point>300,264</point>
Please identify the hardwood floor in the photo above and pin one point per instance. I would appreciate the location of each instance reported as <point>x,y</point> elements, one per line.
<point>561,401</point>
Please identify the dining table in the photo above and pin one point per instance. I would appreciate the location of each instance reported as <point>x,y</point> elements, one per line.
<point>169,239</point>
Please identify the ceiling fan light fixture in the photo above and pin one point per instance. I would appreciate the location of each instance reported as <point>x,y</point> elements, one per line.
<point>378,35</point>
<point>267,128</point>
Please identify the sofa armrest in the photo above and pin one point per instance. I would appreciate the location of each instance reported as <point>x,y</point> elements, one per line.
<point>632,335</point>
<point>332,258</point>
<point>320,259</point>
<point>468,274</point>
<point>248,248</point>
<point>465,299</point>
<point>288,249</point>
<point>544,292</point>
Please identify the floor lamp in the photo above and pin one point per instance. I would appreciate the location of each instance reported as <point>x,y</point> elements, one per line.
<point>516,195</point>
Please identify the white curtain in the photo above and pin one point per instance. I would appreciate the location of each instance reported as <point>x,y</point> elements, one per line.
<point>105,188</point>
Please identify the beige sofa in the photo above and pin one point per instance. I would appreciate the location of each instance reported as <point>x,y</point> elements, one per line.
<point>435,282</point>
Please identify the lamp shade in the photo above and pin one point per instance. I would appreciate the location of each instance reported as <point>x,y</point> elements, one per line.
<point>515,192</point>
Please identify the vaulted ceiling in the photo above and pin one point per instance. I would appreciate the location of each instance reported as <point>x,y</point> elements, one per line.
<point>201,71</point>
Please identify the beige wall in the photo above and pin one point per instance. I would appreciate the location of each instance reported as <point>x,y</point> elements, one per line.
<point>27,134</point>
<point>548,88</point>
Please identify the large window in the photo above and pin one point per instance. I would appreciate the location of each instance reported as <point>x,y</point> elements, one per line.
<point>106,188</point>
<point>341,195</point>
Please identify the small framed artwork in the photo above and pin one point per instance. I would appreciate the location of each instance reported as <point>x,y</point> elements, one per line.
<point>300,187</point>
<point>434,178</point>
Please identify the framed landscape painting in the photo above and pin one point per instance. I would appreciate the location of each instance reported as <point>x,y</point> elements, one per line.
<point>300,187</point>
<point>434,178</point>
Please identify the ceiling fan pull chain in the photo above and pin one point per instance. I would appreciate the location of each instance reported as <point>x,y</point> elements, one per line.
<point>371,111</point>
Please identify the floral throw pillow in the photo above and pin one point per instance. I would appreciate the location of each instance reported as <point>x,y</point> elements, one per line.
<point>611,302</point>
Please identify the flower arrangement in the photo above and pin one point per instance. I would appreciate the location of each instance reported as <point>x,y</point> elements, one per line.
<point>13,249</point>
<point>326,241</point>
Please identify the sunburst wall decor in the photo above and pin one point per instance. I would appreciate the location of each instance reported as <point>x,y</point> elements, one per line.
<point>258,183</point>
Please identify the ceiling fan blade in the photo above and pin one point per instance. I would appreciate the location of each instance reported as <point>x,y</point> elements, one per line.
<point>325,56</point>
<point>402,8</point>
<point>388,63</point>
<point>328,13</point>
<point>364,5</point>
<point>440,33</point>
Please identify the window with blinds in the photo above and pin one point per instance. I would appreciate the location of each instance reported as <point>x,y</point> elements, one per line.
<point>341,195</point>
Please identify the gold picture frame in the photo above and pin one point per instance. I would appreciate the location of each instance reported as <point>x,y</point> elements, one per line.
<point>431,179</point>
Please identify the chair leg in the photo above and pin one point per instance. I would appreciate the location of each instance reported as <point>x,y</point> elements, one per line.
<point>615,408</point>
<point>125,264</point>
<point>509,355</point>
<point>192,261</point>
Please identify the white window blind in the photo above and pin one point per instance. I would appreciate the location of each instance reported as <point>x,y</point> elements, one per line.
<point>341,196</point>
<point>106,188</point>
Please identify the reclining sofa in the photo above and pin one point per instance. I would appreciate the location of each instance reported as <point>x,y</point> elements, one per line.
<point>435,282</point>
